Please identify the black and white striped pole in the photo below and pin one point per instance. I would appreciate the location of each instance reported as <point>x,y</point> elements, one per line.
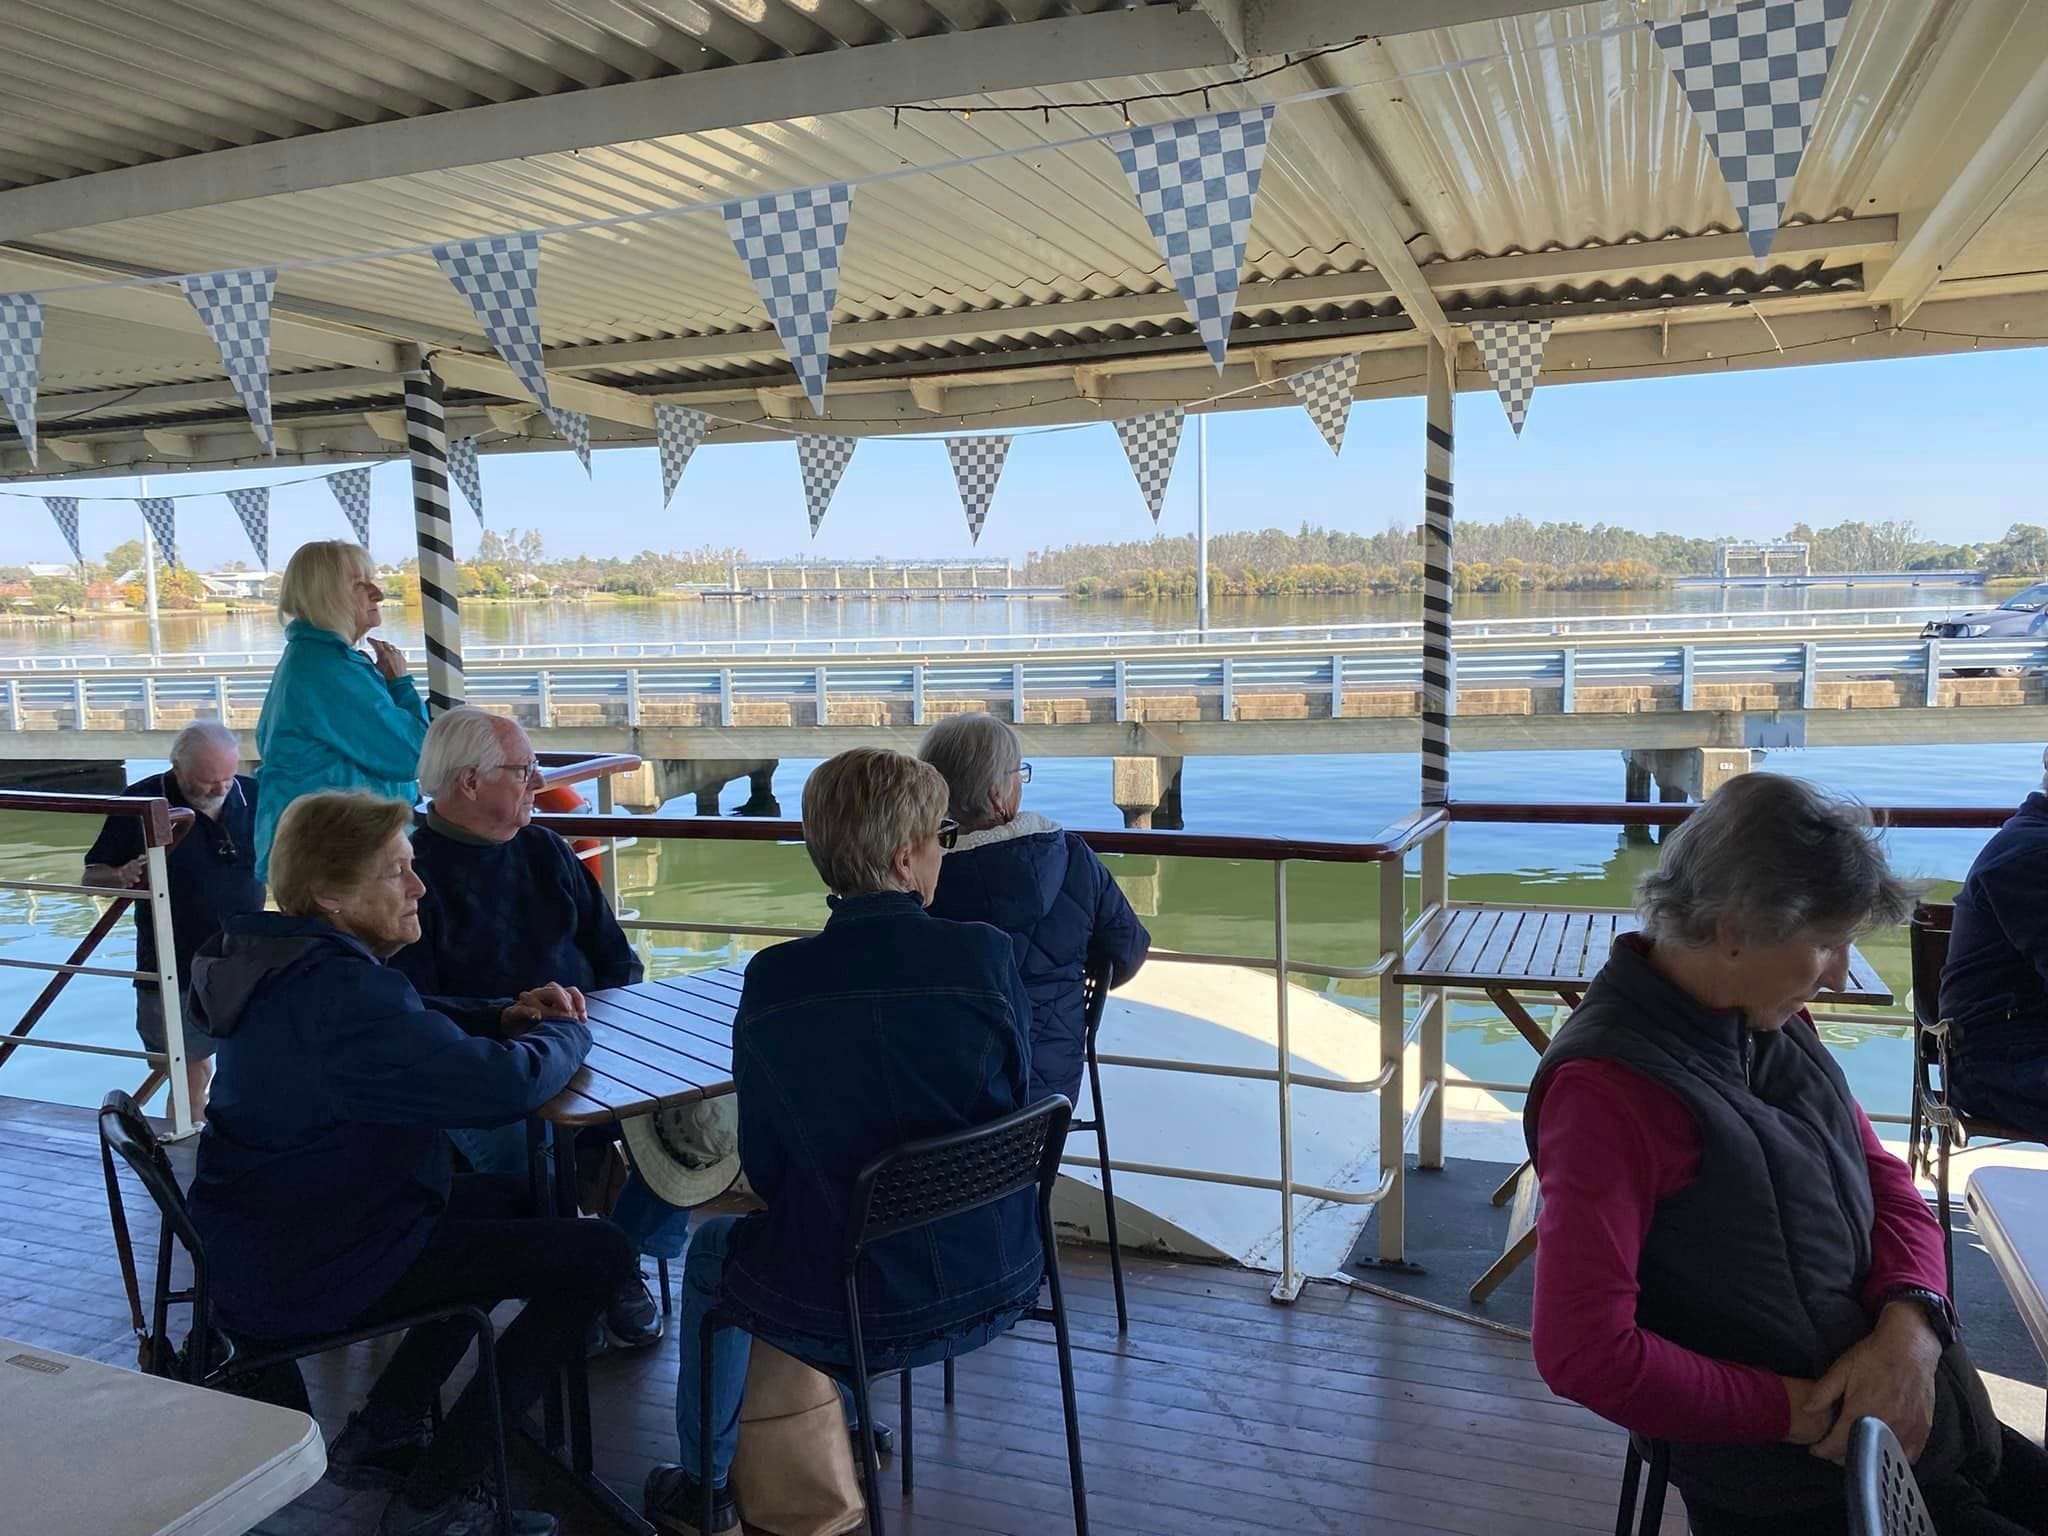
<point>426,444</point>
<point>1439,667</point>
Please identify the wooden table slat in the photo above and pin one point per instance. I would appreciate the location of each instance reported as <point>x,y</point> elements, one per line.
<point>1474,943</point>
<point>1440,939</point>
<point>677,1027</point>
<point>1502,940</point>
<point>654,1046</point>
<point>664,1057</point>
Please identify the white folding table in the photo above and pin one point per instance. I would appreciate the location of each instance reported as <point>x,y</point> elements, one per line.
<point>92,1448</point>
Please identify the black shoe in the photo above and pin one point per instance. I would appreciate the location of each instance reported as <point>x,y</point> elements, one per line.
<point>473,1512</point>
<point>632,1320</point>
<point>674,1502</point>
<point>363,1457</point>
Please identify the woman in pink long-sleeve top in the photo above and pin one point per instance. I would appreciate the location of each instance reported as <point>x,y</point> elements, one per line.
<point>1728,1258</point>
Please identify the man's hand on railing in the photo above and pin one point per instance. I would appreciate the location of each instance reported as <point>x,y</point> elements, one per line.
<point>553,1001</point>
<point>126,877</point>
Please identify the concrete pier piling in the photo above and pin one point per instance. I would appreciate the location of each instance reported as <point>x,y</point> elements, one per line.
<point>644,790</point>
<point>1683,773</point>
<point>1147,791</point>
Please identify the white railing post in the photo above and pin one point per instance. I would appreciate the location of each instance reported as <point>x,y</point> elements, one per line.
<point>633,697</point>
<point>220,697</point>
<point>1393,1054</point>
<point>78,701</point>
<point>1288,1287</point>
<point>1434,1005</point>
<point>176,1082</point>
<point>149,702</point>
<point>608,845</point>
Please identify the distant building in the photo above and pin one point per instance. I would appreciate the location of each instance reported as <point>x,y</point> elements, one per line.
<point>52,571</point>
<point>244,586</point>
<point>104,594</point>
<point>16,594</point>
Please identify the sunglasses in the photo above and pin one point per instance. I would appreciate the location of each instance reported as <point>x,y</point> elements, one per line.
<point>949,833</point>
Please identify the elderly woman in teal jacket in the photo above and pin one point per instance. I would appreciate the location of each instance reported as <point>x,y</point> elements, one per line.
<point>334,718</point>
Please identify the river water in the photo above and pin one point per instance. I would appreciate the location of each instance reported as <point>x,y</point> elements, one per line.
<point>1189,904</point>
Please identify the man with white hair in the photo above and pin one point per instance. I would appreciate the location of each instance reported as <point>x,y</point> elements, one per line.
<point>508,908</point>
<point>1994,992</point>
<point>212,875</point>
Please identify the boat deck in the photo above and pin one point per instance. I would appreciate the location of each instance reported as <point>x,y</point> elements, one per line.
<point>1220,1415</point>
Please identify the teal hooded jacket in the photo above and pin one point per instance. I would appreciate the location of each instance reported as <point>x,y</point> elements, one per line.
<point>332,721</point>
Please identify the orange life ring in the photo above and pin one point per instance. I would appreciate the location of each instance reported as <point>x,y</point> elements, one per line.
<point>562,798</point>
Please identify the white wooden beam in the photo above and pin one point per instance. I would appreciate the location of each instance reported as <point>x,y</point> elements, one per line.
<point>1340,160</point>
<point>1229,18</point>
<point>172,445</point>
<point>1149,39</point>
<point>1293,26</point>
<point>490,376</point>
<point>1990,93</point>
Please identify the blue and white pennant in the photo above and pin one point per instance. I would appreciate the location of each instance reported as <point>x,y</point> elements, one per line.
<point>679,431</point>
<point>1151,442</point>
<point>977,469</point>
<point>822,459</point>
<point>499,276</point>
<point>161,515</point>
<point>252,506</point>
<point>21,351</point>
<point>235,309</point>
<point>573,428</point>
<point>1196,182</point>
<point>789,242</point>
<point>466,472</point>
<point>65,510</point>
<point>352,489</point>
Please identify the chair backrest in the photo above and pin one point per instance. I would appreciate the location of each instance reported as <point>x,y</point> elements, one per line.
<point>1929,936</point>
<point>1884,1500</point>
<point>1094,1000</point>
<point>125,1131</point>
<point>927,1181</point>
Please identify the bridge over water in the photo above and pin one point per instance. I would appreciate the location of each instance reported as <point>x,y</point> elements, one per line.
<point>1788,680</point>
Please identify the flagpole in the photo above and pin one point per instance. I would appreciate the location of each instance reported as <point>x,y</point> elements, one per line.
<point>156,637</point>
<point>1202,527</point>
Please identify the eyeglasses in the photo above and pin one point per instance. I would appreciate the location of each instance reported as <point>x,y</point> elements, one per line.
<point>1023,773</point>
<point>949,833</point>
<point>526,770</point>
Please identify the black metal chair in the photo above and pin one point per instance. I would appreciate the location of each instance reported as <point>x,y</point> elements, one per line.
<point>1656,1456</point>
<point>915,1186</point>
<point>1884,1500</point>
<point>1937,1130</point>
<point>1094,1003</point>
<point>212,1358</point>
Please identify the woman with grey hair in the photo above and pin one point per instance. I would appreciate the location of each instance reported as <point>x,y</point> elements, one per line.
<point>1040,884</point>
<point>335,717</point>
<point>1728,1258</point>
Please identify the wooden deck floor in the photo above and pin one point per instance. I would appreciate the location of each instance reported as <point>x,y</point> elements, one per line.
<point>1220,1415</point>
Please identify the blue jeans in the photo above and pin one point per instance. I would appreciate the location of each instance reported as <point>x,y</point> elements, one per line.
<point>2003,1081</point>
<point>657,1229</point>
<point>703,1286</point>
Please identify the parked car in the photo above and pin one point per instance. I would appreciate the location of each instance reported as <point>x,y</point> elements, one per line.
<point>2024,613</point>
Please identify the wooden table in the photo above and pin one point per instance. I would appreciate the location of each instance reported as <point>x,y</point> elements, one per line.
<point>86,1447</point>
<point>1505,950</point>
<point>2010,1209</point>
<point>1502,951</point>
<point>656,1044</point>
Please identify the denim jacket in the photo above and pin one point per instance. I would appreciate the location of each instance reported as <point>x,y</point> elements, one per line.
<point>889,1026</point>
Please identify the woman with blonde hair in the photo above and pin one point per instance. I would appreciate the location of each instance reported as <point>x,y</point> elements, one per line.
<point>334,717</point>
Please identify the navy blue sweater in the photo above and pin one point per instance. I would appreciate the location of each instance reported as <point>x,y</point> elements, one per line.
<point>1996,983</point>
<point>498,919</point>
<point>323,1166</point>
<point>1046,889</point>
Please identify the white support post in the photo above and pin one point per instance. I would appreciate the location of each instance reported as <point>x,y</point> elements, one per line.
<point>1393,1054</point>
<point>1439,666</point>
<point>608,857</point>
<point>426,445</point>
<point>179,1086</point>
<point>1288,1286</point>
<point>1434,1002</point>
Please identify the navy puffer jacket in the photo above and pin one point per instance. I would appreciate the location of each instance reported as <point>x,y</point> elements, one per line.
<point>1048,891</point>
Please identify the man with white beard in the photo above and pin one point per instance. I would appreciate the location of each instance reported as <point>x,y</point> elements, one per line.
<point>212,875</point>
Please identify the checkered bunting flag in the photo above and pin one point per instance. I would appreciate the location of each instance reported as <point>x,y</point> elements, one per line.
<point>823,461</point>
<point>1196,181</point>
<point>235,309</point>
<point>977,466</point>
<point>161,514</point>
<point>573,428</point>
<point>464,470</point>
<point>65,510</point>
<point>1754,77</point>
<point>1150,443</point>
<point>21,350</point>
<point>789,242</point>
<point>500,277</point>
<point>252,506</point>
<point>352,489</point>
<point>1325,392</point>
<point>1513,353</point>
<point>679,430</point>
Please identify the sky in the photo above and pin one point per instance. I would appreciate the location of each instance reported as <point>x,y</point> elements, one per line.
<point>1955,444</point>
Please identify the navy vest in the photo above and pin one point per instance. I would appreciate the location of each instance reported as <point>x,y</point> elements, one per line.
<point>1762,1259</point>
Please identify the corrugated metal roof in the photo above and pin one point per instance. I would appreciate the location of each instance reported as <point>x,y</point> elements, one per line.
<point>1552,132</point>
